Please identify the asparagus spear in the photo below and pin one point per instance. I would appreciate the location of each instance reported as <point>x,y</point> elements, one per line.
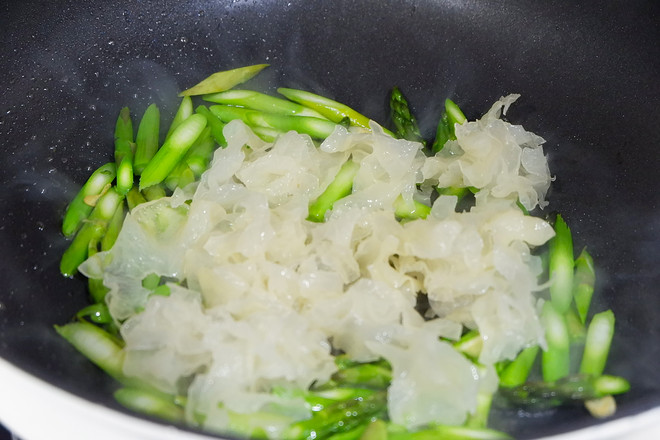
<point>97,289</point>
<point>376,430</point>
<point>442,134</point>
<point>340,417</point>
<point>404,122</point>
<point>200,154</point>
<point>154,192</point>
<point>105,237</point>
<point>174,148</point>
<point>445,432</point>
<point>363,375</point>
<point>583,283</point>
<point>215,124</point>
<point>516,372</point>
<point>340,187</point>
<point>78,210</point>
<point>404,211</point>
<point>98,219</point>
<point>184,111</point>
<point>479,419</point>
<point>266,133</point>
<point>353,434</point>
<point>597,344</point>
<point>151,403</point>
<point>470,344</point>
<point>113,228</point>
<point>332,110</point>
<point>576,329</point>
<point>124,151</point>
<point>570,389</point>
<point>195,162</point>
<point>262,102</point>
<point>319,399</point>
<point>134,198</point>
<point>459,192</point>
<point>97,313</point>
<point>146,141</point>
<point>561,266</point>
<point>556,359</point>
<point>225,80</point>
<point>315,127</point>
<point>454,113</point>
<point>446,131</point>
<point>95,344</point>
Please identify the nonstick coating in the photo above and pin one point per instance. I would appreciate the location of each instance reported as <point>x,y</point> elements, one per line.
<point>587,71</point>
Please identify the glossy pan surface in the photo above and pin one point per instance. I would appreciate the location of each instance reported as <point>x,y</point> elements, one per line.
<point>587,72</point>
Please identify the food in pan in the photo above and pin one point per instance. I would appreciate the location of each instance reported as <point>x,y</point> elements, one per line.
<point>288,268</point>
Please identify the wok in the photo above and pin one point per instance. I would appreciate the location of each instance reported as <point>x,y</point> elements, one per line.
<point>587,72</point>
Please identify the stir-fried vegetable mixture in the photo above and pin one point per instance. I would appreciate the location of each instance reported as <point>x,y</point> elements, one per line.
<point>287,268</point>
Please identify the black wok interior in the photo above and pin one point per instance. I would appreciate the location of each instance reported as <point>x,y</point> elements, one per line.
<point>587,71</point>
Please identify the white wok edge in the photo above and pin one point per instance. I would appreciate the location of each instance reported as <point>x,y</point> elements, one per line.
<point>36,410</point>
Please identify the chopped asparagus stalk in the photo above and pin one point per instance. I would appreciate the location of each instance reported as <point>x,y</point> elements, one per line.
<point>315,127</point>
<point>446,126</point>
<point>267,134</point>
<point>262,102</point>
<point>470,344</point>
<point>124,150</point>
<point>215,124</point>
<point>364,375</point>
<point>576,329</point>
<point>479,419</point>
<point>134,198</point>
<point>597,344</point>
<point>322,398</point>
<point>225,80</point>
<point>154,192</point>
<point>151,281</point>
<point>184,111</point>
<point>583,283</point>
<point>404,122</point>
<point>96,313</point>
<point>442,134</point>
<point>180,177</point>
<point>517,372</point>
<point>445,432</point>
<point>78,210</point>
<point>97,289</point>
<point>114,227</point>
<point>96,345</point>
<point>340,417</point>
<point>340,187</point>
<point>353,434</point>
<point>556,359</point>
<point>457,191</point>
<point>376,430</point>
<point>570,389</point>
<point>200,154</point>
<point>101,214</point>
<point>151,403</point>
<point>454,113</point>
<point>561,266</point>
<point>146,140</point>
<point>172,151</point>
<point>410,211</point>
<point>332,110</point>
